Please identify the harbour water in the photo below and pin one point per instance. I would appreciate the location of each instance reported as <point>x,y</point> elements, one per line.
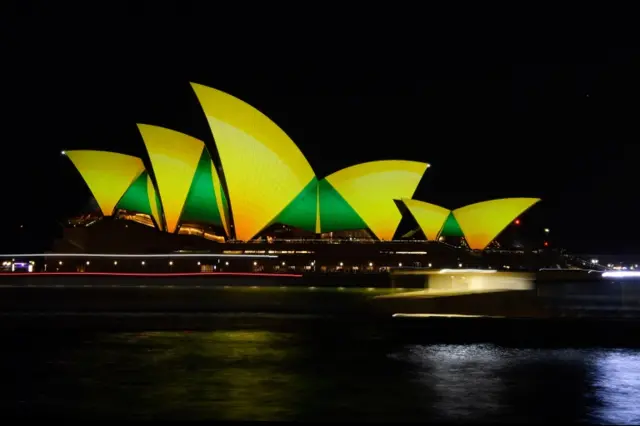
<point>309,370</point>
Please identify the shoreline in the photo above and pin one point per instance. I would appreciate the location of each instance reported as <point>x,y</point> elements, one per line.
<point>557,312</point>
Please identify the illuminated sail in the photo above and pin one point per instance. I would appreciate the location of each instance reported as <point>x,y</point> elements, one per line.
<point>430,218</point>
<point>263,169</point>
<point>107,174</point>
<point>371,188</point>
<point>174,157</point>
<point>482,222</point>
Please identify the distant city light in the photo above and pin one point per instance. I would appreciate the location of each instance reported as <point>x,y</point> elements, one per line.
<point>517,221</point>
<point>546,230</point>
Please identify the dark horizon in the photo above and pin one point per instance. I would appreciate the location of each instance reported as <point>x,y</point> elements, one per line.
<point>491,126</point>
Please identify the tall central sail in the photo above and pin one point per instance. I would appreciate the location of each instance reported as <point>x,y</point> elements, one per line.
<point>264,170</point>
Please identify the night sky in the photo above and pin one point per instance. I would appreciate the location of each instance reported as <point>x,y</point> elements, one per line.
<point>559,125</point>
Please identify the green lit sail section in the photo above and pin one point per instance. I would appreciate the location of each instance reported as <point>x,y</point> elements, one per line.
<point>451,227</point>
<point>136,198</point>
<point>156,204</point>
<point>225,208</point>
<point>302,210</point>
<point>335,213</point>
<point>201,204</point>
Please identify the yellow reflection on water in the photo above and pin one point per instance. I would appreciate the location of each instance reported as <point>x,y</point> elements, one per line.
<point>226,375</point>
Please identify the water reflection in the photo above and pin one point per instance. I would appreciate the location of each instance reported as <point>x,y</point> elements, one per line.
<point>312,374</point>
<point>225,374</point>
<point>463,378</point>
<point>483,383</point>
<point>617,382</point>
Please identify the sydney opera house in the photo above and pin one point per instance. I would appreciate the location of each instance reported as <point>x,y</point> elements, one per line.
<point>254,191</point>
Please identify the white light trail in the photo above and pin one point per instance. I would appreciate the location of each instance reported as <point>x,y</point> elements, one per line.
<point>443,316</point>
<point>467,271</point>
<point>621,274</point>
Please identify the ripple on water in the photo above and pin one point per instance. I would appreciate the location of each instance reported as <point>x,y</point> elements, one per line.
<point>312,374</point>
